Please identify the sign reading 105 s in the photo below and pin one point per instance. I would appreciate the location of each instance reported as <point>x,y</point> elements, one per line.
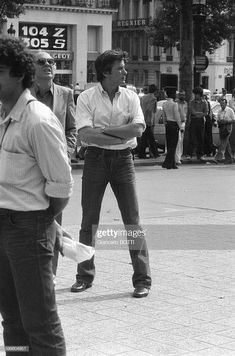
<point>44,36</point>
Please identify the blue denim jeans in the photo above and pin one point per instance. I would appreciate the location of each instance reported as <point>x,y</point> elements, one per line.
<point>27,298</point>
<point>117,168</point>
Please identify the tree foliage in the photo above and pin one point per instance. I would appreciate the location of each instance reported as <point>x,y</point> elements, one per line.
<point>11,8</point>
<point>218,15</point>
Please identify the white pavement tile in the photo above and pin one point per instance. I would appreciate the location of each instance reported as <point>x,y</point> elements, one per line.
<point>111,348</point>
<point>227,333</point>
<point>215,339</point>
<point>214,351</point>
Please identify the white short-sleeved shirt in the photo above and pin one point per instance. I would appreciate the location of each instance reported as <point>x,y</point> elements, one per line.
<point>94,109</point>
<point>33,157</point>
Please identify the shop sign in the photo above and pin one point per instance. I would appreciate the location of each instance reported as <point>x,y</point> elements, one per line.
<point>44,36</point>
<point>132,23</point>
<point>63,56</point>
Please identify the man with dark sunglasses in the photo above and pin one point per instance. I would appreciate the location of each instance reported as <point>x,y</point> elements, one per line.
<point>60,100</point>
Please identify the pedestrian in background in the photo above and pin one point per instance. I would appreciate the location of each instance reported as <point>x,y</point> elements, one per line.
<point>183,111</point>
<point>223,94</point>
<point>197,112</point>
<point>60,100</point>
<point>35,186</point>
<point>148,104</point>
<point>225,119</point>
<point>231,104</point>
<point>209,122</point>
<point>109,119</point>
<point>172,121</point>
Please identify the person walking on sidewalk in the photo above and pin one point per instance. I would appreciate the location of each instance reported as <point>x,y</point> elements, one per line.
<point>148,104</point>
<point>109,119</point>
<point>231,104</point>
<point>197,112</point>
<point>172,121</point>
<point>60,100</point>
<point>35,186</point>
<point>225,119</point>
<point>183,111</point>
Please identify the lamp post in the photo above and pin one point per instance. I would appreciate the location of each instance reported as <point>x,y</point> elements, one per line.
<point>199,20</point>
<point>233,29</point>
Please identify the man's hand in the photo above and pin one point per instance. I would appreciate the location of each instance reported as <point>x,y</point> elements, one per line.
<point>59,238</point>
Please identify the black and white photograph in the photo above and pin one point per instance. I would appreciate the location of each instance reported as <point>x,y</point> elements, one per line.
<point>117,177</point>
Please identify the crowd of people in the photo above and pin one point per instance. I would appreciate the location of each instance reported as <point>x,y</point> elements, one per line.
<point>188,128</point>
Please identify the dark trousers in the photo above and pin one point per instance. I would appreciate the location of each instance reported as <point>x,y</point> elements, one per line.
<point>232,139</point>
<point>147,139</point>
<point>196,136</point>
<point>172,135</point>
<point>27,298</point>
<point>117,168</point>
<point>208,139</point>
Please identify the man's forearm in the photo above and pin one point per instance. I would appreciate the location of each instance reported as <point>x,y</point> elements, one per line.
<point>125,131</point>
<point>57,205</point>
<point>96,136</point>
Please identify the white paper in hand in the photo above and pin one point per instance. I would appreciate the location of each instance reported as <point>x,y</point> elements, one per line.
<point>76,250</point>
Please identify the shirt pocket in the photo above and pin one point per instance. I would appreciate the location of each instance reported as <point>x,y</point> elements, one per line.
<point>15,167</point>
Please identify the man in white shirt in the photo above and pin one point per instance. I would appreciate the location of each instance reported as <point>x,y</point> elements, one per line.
<point>35,186</point>
<point>231,104</point>
<point>183,111</point>
<point>225,119</point>
<point>109,119</point>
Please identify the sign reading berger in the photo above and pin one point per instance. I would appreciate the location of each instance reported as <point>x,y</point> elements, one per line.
<point>44,36</point>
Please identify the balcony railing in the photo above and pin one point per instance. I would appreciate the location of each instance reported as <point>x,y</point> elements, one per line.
<point>169,58</point>
<point>92,4</point>
<point>145,58</point>
<point>156,58</point>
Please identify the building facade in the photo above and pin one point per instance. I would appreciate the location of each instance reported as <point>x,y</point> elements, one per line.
<point>74,32</point>
<point>151,64</point>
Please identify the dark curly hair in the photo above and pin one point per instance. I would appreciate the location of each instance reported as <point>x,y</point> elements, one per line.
<point>105,61</point>
<point>15,55</point>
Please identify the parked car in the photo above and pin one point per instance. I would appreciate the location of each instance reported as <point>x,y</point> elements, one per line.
<point>159,128</point>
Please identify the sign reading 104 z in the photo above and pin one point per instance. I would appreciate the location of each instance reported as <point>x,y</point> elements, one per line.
<point>44,36</point>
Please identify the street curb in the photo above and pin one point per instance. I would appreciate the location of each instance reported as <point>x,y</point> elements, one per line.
<point>152,162</point>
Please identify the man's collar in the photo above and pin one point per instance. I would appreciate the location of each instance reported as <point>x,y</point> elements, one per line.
<point>16,111</point>
<point>101,89</point>
<point>37,88</point>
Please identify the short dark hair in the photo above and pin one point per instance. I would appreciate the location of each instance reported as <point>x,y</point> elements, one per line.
<point>198,90</point>
<point>105,61</point>
<point>15,55</point>
<point>223,99</point>
<point>152,88</point>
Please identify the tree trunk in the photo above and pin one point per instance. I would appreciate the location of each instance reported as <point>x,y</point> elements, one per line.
<point>186,47</point>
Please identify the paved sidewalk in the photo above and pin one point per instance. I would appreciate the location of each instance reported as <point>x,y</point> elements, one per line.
<point>189,311</point>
